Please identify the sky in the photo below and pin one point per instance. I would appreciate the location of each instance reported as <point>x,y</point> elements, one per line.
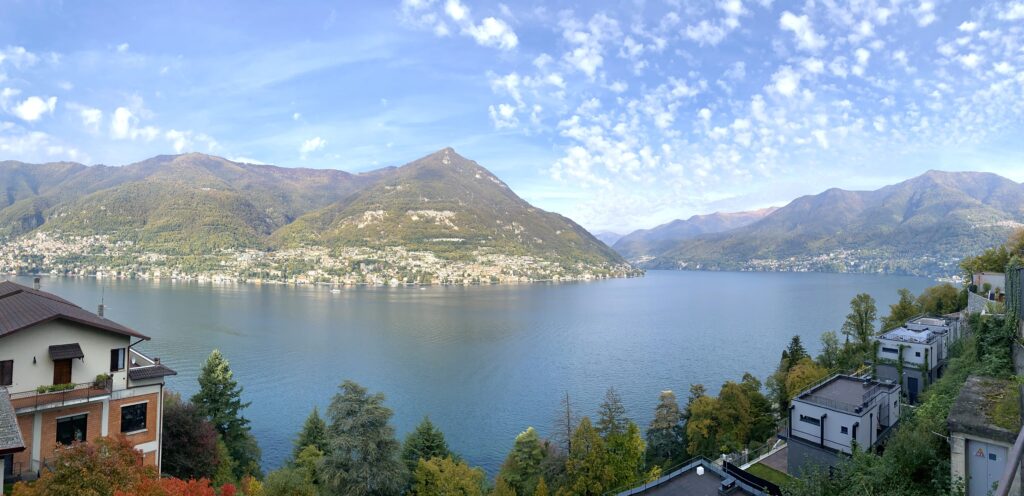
<point>620,115</point>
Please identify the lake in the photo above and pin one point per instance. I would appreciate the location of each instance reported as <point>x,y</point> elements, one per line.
<point>484,362</point>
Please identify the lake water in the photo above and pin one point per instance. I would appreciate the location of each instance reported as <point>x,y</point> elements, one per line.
<point>483,362</point>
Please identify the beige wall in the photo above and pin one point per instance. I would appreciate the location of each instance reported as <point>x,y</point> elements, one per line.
<point>35,341</point>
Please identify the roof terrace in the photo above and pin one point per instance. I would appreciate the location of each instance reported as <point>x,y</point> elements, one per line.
<point>844,393</point>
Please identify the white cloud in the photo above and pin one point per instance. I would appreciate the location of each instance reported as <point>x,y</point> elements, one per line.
<point>18,56</point>
<point>123,47</point>
<point>970,60</point>
<point>124,125</point>
<point>1013,12</point>
<point>456,10</point>
<point>862,55</point>
<point>493,32</point>
<point>618,86</point>
<point>92,118</point>
<point>1003,68</point>
<point>296,116</point>
<point>802,29</point>
<point>33,108</point>
<point>587,54</point>
<point>706,33</point>
<point>814,66</point>
<point>178,138</point>
<point>705,114</point>
<point>924,13</point>
<point>785,81</point>
<point>503,116</point>
<point>247,160</point>
<point>311,145</point>
<point>968,26</point>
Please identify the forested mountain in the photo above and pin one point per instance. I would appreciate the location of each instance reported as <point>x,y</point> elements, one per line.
<point>197,204</point>
<point>655,241</point>
<point>922,225</point>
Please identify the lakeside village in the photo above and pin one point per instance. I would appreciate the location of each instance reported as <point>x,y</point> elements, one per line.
<point>102,256</point>
<point>926,403</point>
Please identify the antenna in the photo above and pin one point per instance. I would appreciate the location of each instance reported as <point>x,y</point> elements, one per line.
<point>103,293</point>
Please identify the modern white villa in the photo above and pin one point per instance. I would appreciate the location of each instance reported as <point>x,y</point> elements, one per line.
<point>828,419</point>
<point>922,345</point>
<point>70,375</point>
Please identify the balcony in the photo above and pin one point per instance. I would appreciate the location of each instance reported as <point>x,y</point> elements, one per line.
<point>73,395</point>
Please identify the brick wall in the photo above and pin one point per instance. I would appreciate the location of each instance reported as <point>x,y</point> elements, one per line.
<point>151,417</point>
<point>22,461</point>
<point>48,446</point>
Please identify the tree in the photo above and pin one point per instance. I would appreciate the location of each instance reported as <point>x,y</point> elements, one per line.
<point>299,478</point>
<point>804,374</point>
<point>666,436</point>
<point>220,400</point>
<point>830,350</point>
<point>860,323</point>
<point>626,452</point>
<point>701,427</point>
<point>522,468</point>
<point>503,488</point>
<point>189,440</point>
<point>763,426</point>
<point>734,417</point>
<point>611,416</point>
<point>565,421</point>
<point>940,299</point>
<point>313,433</point>
<point>542,488</point>
<point>901,311</point>
<point>794,352</point>
<point>96,468</point>
<point>364,454</point>
<point>423,443</point>
<point>587,469</point>
<point>447,477</point>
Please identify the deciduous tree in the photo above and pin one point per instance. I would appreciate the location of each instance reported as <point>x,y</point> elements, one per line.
<point>860,322</point>
<point>189,440</point>
<point>587,470</point>
<point>447,477</point>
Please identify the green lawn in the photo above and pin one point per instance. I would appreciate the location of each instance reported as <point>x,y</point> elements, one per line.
<point>769,474</point>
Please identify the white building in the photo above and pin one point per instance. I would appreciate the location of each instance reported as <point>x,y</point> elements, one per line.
<point>828,419</point>
<point>924,342</point>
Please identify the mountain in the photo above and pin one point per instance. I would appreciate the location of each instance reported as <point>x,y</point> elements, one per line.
<point>608,237</point>
<point>449,205</point>
<point>655,241</point>
<point>920,226</point>
<point>199,205</point>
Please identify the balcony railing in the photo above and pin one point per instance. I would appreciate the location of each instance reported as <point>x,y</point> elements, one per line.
<point>75,393</point>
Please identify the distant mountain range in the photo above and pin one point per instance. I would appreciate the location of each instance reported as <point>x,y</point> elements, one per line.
<point>665,237</point>
<point>195,204</point>
<point>920,226</point>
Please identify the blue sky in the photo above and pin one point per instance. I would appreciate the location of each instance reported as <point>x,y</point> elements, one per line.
<point>620,115</point>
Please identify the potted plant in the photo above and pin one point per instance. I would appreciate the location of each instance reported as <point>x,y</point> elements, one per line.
<point>102,381</point>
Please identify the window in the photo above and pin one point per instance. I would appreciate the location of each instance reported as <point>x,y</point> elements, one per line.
<point>6,372</point>
<point>810,420</point>
<point>844,430</point>
<point>890,350</point>
<point>917,354</point>
<point>133,417</point>
<point>71,429</point>
<point>116,359</point>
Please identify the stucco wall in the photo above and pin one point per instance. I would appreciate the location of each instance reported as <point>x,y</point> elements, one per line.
<point>834,438</point>
<point>35,342</point>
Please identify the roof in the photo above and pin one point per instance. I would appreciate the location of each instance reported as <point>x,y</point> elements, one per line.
<point>844,392</point>
<point>66,351</point>
<point>149,372</point>
<point>22,307</point>
<point>922,336</point>
<point>10,434</point>
<point>688,481</point>
<point>970,412</point>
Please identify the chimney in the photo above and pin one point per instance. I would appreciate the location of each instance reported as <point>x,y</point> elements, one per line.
<point>36,284</point>
<point>156,360</point>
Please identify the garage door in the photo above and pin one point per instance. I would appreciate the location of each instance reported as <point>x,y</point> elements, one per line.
<point>985,464</point>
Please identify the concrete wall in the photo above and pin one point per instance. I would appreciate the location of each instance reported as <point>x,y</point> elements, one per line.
<point>803,459</point>
<point>834,422</point>
<point>35,342</point>
<point>913,353</point>
<point>886,372</point>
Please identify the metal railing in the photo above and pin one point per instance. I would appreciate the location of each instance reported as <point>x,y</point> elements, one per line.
<point>831,403</point>
<point>79,393</point>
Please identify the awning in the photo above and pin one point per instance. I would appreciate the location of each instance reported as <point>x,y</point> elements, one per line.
<point>149,372</point>
<point>66,351</point>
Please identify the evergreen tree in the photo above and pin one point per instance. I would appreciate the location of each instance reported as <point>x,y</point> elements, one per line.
<point>794,352</point>
<point>523,466</point>
<point>611,414</point>
<point>502,488</point>
<point>542,488</point>
<point>626,452</point>
<point>220,400</point>
<point>364,454</point>
<point>587,469</point>
<point>314,433</point>
<point>666,436</point>
<point>424,443</point>
<point>860,323</point>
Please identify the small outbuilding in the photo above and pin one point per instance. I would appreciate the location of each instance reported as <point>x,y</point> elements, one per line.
<point>983,424</point>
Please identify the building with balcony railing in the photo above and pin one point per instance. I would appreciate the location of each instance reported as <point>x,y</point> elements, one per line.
<point>74,376</point>
<point>829,418</point>
<point>922,344</point>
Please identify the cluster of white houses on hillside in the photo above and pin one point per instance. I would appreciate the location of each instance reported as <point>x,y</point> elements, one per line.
<point>67,375</point>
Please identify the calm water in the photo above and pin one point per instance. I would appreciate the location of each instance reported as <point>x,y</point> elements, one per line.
<point>483,362</point>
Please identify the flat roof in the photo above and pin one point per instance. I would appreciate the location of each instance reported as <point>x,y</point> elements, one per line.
<point>931,321</point>
<point>844,392</point>
<point>688,482</point>
<point>906,335</point>
<point>970,413</point>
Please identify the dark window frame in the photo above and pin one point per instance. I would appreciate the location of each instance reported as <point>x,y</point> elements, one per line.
<point>136,421</point>
<point>7,373</point>
<point>72,422</point>
<point>843,429</point>
<point>118,359</point>
<point>886,349</point>
<point>811,420</point>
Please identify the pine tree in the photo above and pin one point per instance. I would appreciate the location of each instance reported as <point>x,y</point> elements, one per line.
<point>424,443</point>
<point>542,488</point>
<point>794,352</point>
<point>314,433</point>
<point>502,488</point>
<point>364,454</point>
<point>220,400</point>
<point>611,414</point>
<point>666,441</point>
<point>587,469</point>
<point>522,468</point>
<point>626,451</point>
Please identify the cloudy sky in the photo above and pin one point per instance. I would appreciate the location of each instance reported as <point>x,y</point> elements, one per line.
<point>619,114</point>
